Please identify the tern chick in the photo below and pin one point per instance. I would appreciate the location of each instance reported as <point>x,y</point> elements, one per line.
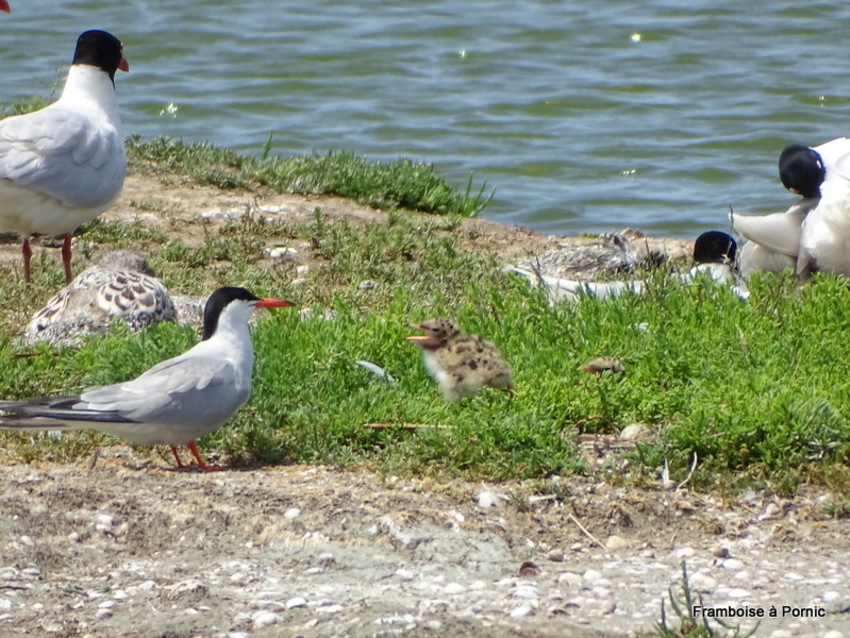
<point>460,363</point>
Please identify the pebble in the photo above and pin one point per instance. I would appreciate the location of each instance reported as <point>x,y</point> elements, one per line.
<point>632,432</point>
<point>329,609</point>
<point>367,284</point>
<point>570,578</point>
<point>486,498</point>
<point>616,542</point>
<point>833,634</point>
<point>556,555</point>
<point>27,540</point>
<point>722,552</point>
<point>5,604</point>
<point>591,575</point>
<point>294,603</point>
<point>454,589</point>
<point>608,607</point>
<point>107,604</point>
<point>405,574</point>
<point>702,583</point>
<point>733,564</point>
<point>265,619</point>
<point>292,513</point>
<point>147,585</point>
<point>736,593</point>
<point>280,251</point>
<point>31,572</point>
<point>522,611</point>
<point>525,591</point>
<point>52,624</point>
<point>685,552</point>
<point>830,596</point>
<point>326,559</point>
<point>120,594</point>
<point>103,614</point>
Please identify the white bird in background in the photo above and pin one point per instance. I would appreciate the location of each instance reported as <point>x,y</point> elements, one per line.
<point>65,164</point>
<point>714,254</point>
<point>776,241</point>
<point>120,285</point>
<point>173,403</point>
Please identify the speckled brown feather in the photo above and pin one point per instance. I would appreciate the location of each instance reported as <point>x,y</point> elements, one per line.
<point>462,364</point>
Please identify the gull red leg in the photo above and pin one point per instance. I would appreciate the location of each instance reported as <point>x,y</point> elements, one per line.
<point>26,251</point>
<point>66,258</point>
<point>177,457</point>
<point>206,468</point>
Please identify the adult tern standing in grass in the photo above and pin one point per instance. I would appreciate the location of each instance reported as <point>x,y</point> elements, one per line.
<point>173,403</point>
<point>65,164</point>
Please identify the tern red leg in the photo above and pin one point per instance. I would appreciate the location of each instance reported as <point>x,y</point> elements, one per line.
<point>26,251</point>
<point>66,258</point>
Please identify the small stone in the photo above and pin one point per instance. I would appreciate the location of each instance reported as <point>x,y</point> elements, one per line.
<point>454,589</point>
<point>331,608</point>
<point>52,624</point>
<point>120,594</point>
<point>556,555</point>
<point>486,498</point>
<point>147,585</point>
<point>632,432</point>
<point>74,537</point>
<point>703,583</point>
<point>570,578</point>
<point>5,604</point>
<point>107,604</point>
<point>737,593</point>
<point>326,559</point>
<point>528,569</point>
<point>591,575</point>
<point>312,571</point>
<point>789,576</point>
<point>528,592</point>
<point>292,513</point>
<point>30,572</point>
<point>367,284</point>
<point>294,603</point>
<point>685,552</point>
<point>27,540</point>
<point>830,596</point>
<point>615,542</point>
<point>103,614</point>
<point>833,634</point>
<point>522,611</point>
<point>608,607</point>
<point>405,574</point>
<point>733,564</point>
<point>265,619</point>
<point>722,552</point>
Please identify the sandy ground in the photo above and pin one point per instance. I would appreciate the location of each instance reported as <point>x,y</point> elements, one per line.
<point>130,547</point>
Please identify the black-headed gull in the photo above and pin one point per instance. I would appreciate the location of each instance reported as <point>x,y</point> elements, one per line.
<point>120,285</point>
<point>173,403</point>
<point>776,241</point>
<point>65,164</point>
<point>460,363</point>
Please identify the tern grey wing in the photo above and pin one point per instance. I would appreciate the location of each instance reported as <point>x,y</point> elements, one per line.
<point>187,390</point>
<point>65,154</point>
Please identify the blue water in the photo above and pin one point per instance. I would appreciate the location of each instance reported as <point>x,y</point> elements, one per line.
<point>584,116</point>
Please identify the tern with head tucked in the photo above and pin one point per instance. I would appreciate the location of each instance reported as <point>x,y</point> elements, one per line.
<point>173,403</point>
<point>65,164</point>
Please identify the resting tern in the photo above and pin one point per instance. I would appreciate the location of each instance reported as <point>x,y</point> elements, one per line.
<point>714,253</point>
<point>460,363</point>
<point>65,164</point>
<point>174,402</point>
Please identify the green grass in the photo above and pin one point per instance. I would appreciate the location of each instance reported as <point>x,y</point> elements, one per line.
<point>399,184</point>
<point>757,390</point>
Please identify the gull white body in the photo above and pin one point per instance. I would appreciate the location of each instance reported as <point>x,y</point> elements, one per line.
<point>65,164</point>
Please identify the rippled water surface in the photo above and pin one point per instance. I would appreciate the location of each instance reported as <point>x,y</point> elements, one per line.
<point>585,116</point>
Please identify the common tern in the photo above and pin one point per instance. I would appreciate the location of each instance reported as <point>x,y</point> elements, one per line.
<point>65,164</point>
<point>120,285</point>
<point>173,403</point>
<point>460,363</point>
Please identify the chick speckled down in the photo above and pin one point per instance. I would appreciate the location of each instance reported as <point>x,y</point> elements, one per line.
<point>462,364</point>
